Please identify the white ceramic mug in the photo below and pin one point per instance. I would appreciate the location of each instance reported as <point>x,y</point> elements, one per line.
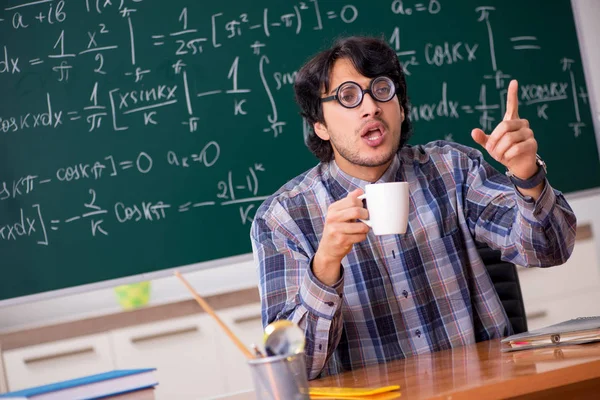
<point>388,207</point>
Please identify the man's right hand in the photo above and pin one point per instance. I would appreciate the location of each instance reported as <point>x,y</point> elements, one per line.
<point>340,233</point>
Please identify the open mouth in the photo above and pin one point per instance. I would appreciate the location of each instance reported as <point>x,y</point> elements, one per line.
<point>373,133</point>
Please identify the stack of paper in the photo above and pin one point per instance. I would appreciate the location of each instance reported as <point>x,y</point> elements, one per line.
<point>575,331</point>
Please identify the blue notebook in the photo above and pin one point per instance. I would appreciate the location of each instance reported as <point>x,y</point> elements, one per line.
<point>90,387</point>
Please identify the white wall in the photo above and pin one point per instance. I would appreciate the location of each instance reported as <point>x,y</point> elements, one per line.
<point>587,15</point>
<point>243,274</point>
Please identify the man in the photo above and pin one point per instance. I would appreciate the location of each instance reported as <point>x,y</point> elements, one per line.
<point>364,299</point>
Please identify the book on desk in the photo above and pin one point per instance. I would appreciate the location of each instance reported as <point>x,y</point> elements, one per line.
<point>575,331</point>
<point>113,383</point>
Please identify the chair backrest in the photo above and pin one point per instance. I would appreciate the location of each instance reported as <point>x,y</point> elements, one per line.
<point>506,281</point>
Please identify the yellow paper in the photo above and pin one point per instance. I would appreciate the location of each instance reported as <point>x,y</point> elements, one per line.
<point>379,396</point>
<point>339,392</point>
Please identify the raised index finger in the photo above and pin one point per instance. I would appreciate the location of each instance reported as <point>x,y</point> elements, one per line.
<point>512,101</point>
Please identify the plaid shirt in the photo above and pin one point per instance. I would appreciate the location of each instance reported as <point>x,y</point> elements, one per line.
<point>401,295</point>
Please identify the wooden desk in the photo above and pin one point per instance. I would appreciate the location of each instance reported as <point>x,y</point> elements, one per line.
<point>481,371</point>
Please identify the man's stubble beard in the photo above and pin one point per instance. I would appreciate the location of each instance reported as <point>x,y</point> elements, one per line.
<point>354,157</point>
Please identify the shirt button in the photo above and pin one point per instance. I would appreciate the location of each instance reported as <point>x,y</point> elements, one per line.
<point>405,294</point>
<point>418,333</point>
<point>330,303</point>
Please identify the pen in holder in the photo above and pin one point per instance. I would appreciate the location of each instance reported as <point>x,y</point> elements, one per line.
<point>209,310</point>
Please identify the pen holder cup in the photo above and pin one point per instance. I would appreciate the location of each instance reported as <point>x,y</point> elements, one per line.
<point>280,377</point>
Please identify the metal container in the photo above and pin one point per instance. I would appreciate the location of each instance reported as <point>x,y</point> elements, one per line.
<point>280,377</point>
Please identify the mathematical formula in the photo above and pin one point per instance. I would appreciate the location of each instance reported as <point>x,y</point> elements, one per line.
<point>136,74</point>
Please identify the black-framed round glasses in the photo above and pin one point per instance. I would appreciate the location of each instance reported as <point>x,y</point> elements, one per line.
<point>350,94</point>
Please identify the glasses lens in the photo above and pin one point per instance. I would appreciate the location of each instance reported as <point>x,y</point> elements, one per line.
<point>383,88</point>
<point>349,94</point>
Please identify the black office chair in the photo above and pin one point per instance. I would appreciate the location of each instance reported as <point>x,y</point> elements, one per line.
<point>506,281</point>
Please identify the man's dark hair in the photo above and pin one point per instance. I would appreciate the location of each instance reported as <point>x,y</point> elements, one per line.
<point>371,57</point>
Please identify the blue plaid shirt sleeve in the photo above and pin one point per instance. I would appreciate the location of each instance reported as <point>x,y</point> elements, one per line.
<point>290,290</point>
<point>529,233</point>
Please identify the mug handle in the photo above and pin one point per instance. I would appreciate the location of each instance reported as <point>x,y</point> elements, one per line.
<point>366,221</point>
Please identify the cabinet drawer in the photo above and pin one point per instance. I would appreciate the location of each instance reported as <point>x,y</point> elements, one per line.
<point>56,361</point>
<point>245,322</point>
<point>184,352</point>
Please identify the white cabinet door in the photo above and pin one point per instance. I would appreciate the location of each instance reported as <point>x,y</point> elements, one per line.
<point>246,323</point>
<point>183,350</point>
<point>582,304</point>
<point>57,361</point>
<point>580,273</point>
<point>556,294</point>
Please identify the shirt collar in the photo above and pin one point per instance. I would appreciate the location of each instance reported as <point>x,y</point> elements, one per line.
<point>349,183</point>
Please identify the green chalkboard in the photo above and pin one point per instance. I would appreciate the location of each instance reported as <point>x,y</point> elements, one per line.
<point>137,136</point>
